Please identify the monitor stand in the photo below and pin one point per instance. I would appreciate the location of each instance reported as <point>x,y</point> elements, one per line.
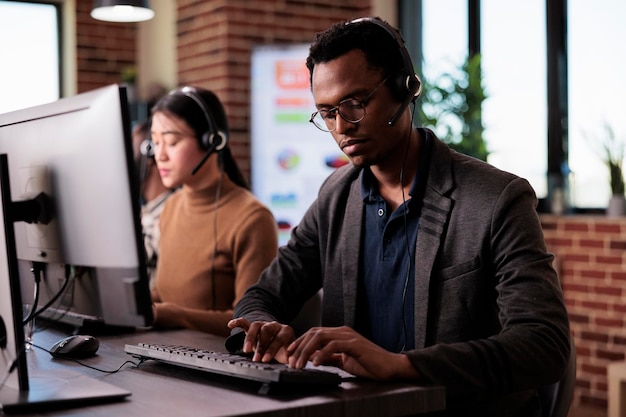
<point>42,390</point>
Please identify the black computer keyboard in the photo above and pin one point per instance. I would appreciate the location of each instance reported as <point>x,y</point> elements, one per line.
<point>271,375</point>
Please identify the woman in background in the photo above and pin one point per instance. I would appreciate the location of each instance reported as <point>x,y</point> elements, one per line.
<point>216,237</point>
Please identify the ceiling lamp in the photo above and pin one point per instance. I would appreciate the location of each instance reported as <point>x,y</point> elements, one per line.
<point>122,11</point>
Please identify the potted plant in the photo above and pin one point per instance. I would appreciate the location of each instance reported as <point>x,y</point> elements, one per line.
<point>128,76</point>
<point>452,107</point>
<point>613,157</point>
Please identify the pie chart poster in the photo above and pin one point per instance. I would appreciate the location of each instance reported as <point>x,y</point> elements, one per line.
<point>290,157</point>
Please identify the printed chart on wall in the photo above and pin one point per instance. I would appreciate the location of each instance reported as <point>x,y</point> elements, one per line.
<point>290,157</point>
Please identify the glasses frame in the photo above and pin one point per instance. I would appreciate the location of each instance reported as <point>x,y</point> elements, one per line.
<point>335,110</point>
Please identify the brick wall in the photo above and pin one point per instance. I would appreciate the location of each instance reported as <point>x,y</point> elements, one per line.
<point>590,257</point>
<point>103,50</point>
<point>216,37</point>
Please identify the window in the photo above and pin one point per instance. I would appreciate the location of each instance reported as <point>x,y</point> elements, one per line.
<point>514,76</point>
<point>514,62</point>
<point>513,49</point>
<point>597,87</point>
<point>30,53</point>
<point>444,35</point>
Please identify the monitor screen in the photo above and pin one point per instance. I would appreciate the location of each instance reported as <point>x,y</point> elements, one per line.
<point>86,249</point>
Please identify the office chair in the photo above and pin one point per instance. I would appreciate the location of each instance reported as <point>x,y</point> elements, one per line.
<point>556,398</point>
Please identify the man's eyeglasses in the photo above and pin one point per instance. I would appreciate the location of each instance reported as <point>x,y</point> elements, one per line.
<point>351,110</point>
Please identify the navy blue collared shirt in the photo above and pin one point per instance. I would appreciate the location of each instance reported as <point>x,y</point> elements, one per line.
<point>385,312</point>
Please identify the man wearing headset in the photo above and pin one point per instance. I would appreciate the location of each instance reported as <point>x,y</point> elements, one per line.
<point>433,264</point>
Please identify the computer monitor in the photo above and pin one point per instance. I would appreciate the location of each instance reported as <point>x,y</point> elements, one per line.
<point>20,389</point>
<point>87,248</point>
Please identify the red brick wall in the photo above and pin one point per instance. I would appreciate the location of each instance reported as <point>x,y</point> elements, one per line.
<point>216,37</point>
<point>103,50</point>
<point>590,257</point>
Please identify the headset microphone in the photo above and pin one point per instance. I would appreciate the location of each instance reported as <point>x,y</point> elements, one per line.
<point>214,145</point>
<point>407,100</point>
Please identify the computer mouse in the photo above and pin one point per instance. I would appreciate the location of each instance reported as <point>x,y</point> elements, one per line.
<point>75,347</point>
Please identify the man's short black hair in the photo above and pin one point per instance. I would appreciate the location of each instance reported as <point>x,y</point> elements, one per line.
<point>380,48</point>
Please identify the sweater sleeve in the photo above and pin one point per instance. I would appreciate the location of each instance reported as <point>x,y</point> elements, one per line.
<point>256,245</point>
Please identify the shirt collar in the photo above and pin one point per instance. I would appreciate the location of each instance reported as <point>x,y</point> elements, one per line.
<point>369,191</point>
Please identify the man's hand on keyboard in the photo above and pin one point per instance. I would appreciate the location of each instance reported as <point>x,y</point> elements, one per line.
<point>345,348</point>
<point>268,340</point>
<point>342,347</point>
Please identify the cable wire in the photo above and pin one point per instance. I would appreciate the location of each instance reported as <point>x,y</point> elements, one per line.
<point>69,276</point>
<point>218,191</point>
<point>37,268</point>
<point>106,371</point>
<point>406,233</point>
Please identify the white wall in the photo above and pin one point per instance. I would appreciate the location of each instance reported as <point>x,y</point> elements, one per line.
<point>386,10</point>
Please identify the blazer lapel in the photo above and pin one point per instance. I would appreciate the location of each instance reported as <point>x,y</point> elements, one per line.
<point>434,218</point>
<point>351,251</point>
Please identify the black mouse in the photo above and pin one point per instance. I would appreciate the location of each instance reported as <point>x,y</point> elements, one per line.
<point>75,347</point>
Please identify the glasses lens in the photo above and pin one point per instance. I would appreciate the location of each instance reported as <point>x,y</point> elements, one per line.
<point>326,124</point>
<point>351,110</point>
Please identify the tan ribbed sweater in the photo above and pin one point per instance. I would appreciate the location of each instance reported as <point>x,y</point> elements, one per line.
<point>186,276</point>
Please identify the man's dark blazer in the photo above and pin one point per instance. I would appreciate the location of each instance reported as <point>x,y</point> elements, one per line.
<point>490,320</point>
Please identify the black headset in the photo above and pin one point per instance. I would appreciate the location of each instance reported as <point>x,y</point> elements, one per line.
<point>208,138</point>
<point>405,85</point>
<point>213,133</point>
<point>146,147</point>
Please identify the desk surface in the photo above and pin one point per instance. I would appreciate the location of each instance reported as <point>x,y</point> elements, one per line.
<point>161,390</point>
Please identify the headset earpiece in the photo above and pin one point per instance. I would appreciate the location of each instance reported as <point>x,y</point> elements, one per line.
<point>206,139</point>
<point>221,136</point>
<point>406,85</point>
<point>414,85</point>
<point>403,86</point>
<point>147,148</point>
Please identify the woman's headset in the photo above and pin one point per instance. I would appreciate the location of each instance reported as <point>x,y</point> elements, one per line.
<point>213,133</point>
<point>207,139</point>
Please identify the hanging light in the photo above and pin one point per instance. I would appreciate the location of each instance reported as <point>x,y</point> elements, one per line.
<point>122,10</point>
